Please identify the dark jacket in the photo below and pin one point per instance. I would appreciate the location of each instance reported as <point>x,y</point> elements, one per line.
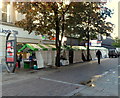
<point>98,53</point>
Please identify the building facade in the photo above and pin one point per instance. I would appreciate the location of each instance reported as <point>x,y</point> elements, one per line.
<point>8,16</point>
<point>119,20</point>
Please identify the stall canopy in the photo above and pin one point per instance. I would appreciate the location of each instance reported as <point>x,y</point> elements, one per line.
<point>79,48</point>
<point>85,48</point>
<point>37,47</point>
<point>98,48</point>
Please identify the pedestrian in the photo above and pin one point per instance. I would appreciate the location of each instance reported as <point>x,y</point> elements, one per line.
<point>98,54</point>
<point>19,59</point>
<point>31,60</point>
<point>83,57</point>
<point>31,57</point>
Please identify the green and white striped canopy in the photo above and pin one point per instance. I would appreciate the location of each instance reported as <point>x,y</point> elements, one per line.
<point>37,47</point>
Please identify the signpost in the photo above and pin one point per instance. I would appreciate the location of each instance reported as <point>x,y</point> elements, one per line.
<point>11,52</point>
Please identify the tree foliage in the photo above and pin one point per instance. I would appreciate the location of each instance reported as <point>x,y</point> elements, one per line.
<point>90,16</point>
<point>116,43</point>
<point>40,17</point>
<point>57,18</point>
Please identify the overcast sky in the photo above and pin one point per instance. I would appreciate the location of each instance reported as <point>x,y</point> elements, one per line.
<point>113,4</point>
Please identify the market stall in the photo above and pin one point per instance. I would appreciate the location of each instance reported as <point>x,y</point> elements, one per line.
<point>103,50</point>
<point>45,54</point>
<point>64,56</point>
<point>80,51</point>
<point>51,55</point>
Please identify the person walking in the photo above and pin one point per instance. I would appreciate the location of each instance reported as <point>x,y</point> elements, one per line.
<point>98,54</point>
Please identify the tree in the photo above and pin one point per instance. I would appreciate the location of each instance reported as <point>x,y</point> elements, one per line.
<point>91,22</point>
<point>44,18</point>
<point>57,18</point>
<point>116,43</point>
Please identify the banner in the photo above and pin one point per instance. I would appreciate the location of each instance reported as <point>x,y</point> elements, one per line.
<point>10,51</point>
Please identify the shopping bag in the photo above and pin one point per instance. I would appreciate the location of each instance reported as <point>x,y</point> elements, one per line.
<point>16,64</point>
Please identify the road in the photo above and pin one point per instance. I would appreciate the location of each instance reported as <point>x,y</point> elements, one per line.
<point>60,82</point>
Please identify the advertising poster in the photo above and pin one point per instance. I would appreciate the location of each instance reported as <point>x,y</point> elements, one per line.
<point>10,51</point>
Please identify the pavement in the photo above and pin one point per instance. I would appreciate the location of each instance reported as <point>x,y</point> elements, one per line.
<point>82,79</point>
<point>101,85</point>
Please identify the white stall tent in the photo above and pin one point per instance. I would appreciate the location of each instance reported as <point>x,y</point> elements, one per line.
<point>93,54</point>
<point>40,60</point>
<point>48,54</point>
<point>53,54</point>
<point>77,56</point>
<point>93,51</point>
<point>65,55</point>
<point>103,50</point>
<point>45,54</point>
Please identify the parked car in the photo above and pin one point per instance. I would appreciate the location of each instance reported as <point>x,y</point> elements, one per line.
<point>113,53</point>
<point>118,54</point>
<point>118,49</point>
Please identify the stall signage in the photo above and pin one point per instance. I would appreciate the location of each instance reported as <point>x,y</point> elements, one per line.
<point>10,51</point>
<point>94,43</point>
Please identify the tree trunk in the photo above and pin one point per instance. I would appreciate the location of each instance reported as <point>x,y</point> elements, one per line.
<point>88,41</point>
<point>57,40</point>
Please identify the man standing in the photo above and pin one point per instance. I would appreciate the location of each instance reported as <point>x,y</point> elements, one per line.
<point>98,54</point>
<point>19,59</point>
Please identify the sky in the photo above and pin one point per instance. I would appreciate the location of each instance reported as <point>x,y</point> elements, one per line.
<point>113,4</point>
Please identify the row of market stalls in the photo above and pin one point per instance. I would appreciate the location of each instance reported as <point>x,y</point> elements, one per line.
<point>79,50</point>
<point>44,55</point>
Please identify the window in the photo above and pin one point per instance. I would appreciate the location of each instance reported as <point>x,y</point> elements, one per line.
<point>4,12</point>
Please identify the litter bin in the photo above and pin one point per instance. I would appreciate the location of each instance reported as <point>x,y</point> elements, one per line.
<point>26,65</point>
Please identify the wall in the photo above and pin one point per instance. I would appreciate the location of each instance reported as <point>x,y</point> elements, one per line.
<point>22,37</point>
<point>119,20</point>
<point>2,47</point>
